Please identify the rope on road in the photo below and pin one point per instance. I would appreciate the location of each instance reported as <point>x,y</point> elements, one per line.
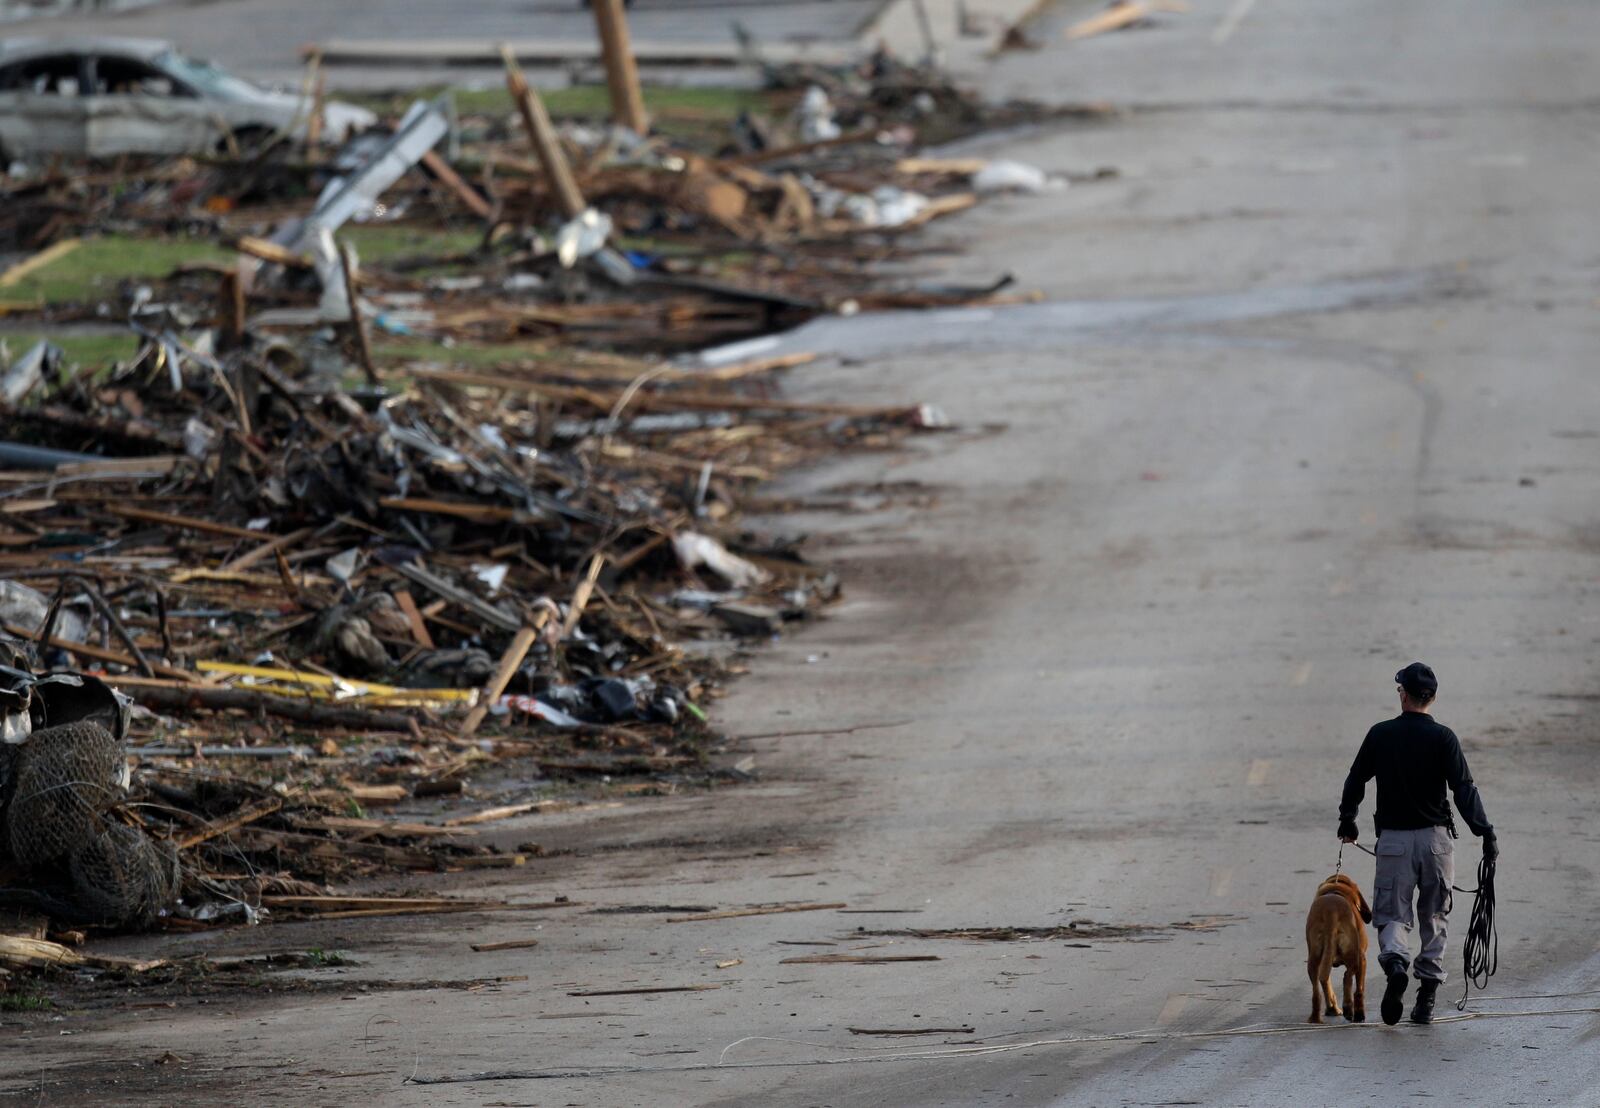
<point>1480,953</point>
<point>973,1051</point>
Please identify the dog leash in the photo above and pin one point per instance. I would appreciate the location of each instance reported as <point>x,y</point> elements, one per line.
<point>1374,854</point>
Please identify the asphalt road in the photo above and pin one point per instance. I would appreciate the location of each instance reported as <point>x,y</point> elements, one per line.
<point>1109,649</point>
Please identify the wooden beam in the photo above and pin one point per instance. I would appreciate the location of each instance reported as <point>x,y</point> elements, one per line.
<point>622,74</point>
<point>542,134</point>
<point>509,661</point>
<point>450,179</point>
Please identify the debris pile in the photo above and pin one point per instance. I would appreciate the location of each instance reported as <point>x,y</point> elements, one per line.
<point>359,535</point>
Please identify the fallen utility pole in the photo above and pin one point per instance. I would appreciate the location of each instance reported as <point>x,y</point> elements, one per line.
<point>542,134</point>
<point>622,74</point>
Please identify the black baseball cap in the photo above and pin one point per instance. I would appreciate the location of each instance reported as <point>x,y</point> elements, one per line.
<point>1418,680</point>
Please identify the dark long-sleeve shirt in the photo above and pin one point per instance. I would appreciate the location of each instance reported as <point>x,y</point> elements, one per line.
<point>1413,757</point>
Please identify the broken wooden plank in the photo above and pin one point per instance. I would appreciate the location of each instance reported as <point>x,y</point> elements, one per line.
<point>387,827</point>
<point>642,992</point>
<point>1123,13</point>
<point>271,252</point>
<point>487,861</point>
<point>98,654</point>
<point>446,173</point>
<point>248,814</point>
<point>185,523</point>
<point>489,815</point>
<point>762,910</point>
<point>52,253</point>
<point>30,953</point>
<point>856,959</point>
<point>264,550</point>
<point>408,608</point>
<point>542,134</point>
<point>509,663</point>
<point>580,596</point>
<point>506,944</point>
<point>362,794</point>
<point>911,1030</point>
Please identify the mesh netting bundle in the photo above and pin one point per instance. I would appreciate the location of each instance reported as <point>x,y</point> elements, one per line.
<point>59,792</point>
<point>123,876</point>
<point>64,777</point>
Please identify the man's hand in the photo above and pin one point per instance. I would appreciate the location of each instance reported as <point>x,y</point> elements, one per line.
<point>1491,847</point>
<point>1347,831</point>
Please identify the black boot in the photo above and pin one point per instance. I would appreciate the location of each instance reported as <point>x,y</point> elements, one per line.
<point>1394,994</point>
<point>1423,1012</point>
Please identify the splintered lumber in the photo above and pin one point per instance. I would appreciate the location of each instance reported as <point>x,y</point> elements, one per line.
<point>347,267</point>
<point>248,814</point>
<point>271,252</point>
<point>265,550</point>
<point>387,827</point>
<point>215,699</point>
<point>542,134</point>
<point>1124,13</point>
<point>489,815</point>
<point>52,253</point>
<point>855,959</point>
<point>487,861</point>
<point>96,653</point>
<point>509,661</point>
<point>508,944</point>
<point>19,950</point>
<point>363,794</point>
<point>447,175</point>
<point>764,910</point>
<point>185,523</point>
<point>408,608</point>
<point>911,1030</point>
<point>580,597</point>
<point>641,992</point>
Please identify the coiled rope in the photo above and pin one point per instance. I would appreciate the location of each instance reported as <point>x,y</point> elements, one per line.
<point>1480,952</point>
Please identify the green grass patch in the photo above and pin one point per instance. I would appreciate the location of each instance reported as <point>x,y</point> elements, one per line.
<point>463,355</point>
<point>83,350</point>
<point>688,114</point>
<point>24,1002</point>
<point>381,242</point>
<point>92,270</point>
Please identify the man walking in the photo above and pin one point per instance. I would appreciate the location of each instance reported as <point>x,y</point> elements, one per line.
<point>1414,758</point>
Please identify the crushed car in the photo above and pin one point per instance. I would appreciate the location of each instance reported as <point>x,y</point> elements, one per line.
<point>100,97</point>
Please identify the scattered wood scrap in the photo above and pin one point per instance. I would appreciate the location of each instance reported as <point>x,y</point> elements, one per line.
<point>910,1030</point>
<point>762,910</point>
<point>643,991</point>
<point>856,959</point>
<point>507,944</point>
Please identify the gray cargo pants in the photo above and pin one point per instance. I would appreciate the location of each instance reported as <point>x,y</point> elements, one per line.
<point>1418,865</point>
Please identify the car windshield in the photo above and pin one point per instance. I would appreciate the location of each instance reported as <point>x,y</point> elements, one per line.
<point>207,78</point>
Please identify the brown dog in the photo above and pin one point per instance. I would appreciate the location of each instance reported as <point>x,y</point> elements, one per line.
<point>1336,935</point>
